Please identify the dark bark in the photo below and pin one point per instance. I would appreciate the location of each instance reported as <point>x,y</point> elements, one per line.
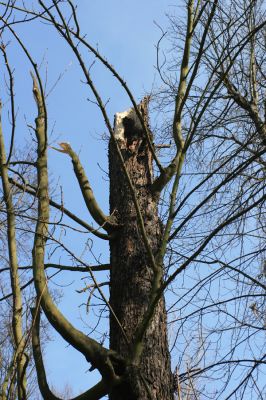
<point>131,272</point>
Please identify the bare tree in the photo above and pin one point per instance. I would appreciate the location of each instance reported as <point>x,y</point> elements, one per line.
<point>186,223</point>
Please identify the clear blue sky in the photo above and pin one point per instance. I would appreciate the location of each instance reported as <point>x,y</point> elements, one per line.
<point>125,33</point>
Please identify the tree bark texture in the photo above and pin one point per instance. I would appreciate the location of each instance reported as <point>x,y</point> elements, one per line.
<point>131,272</point>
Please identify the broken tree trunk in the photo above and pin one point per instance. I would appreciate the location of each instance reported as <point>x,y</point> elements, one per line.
<point>131,272</point>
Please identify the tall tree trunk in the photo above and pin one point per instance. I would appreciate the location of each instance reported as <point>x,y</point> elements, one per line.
<point>131,274</point>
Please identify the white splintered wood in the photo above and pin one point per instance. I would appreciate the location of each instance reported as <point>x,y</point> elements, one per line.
<point>119,127</point>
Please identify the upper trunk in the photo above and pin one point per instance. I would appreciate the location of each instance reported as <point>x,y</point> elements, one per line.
<point>131,272</point>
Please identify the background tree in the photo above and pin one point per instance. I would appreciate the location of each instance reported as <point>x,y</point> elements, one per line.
<point>186,219</point>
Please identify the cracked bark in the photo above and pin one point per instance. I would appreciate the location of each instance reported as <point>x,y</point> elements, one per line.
<point>131,272</point>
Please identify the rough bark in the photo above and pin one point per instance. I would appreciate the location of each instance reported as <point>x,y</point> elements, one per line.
<point>131,274</point>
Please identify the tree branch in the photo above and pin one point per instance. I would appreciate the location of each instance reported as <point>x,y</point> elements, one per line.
<point>96,354</point>
<point>93,207</point>
<point>95,393</point>
<point>34,192</point>
<point>17,307</point>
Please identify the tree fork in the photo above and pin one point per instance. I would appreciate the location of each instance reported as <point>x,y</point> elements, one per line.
<point>131,269</point>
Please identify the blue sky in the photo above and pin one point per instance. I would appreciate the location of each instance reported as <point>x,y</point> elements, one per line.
<point>126,34</point>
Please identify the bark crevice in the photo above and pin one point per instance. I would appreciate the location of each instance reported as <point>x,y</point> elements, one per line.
<point>132,273</point>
